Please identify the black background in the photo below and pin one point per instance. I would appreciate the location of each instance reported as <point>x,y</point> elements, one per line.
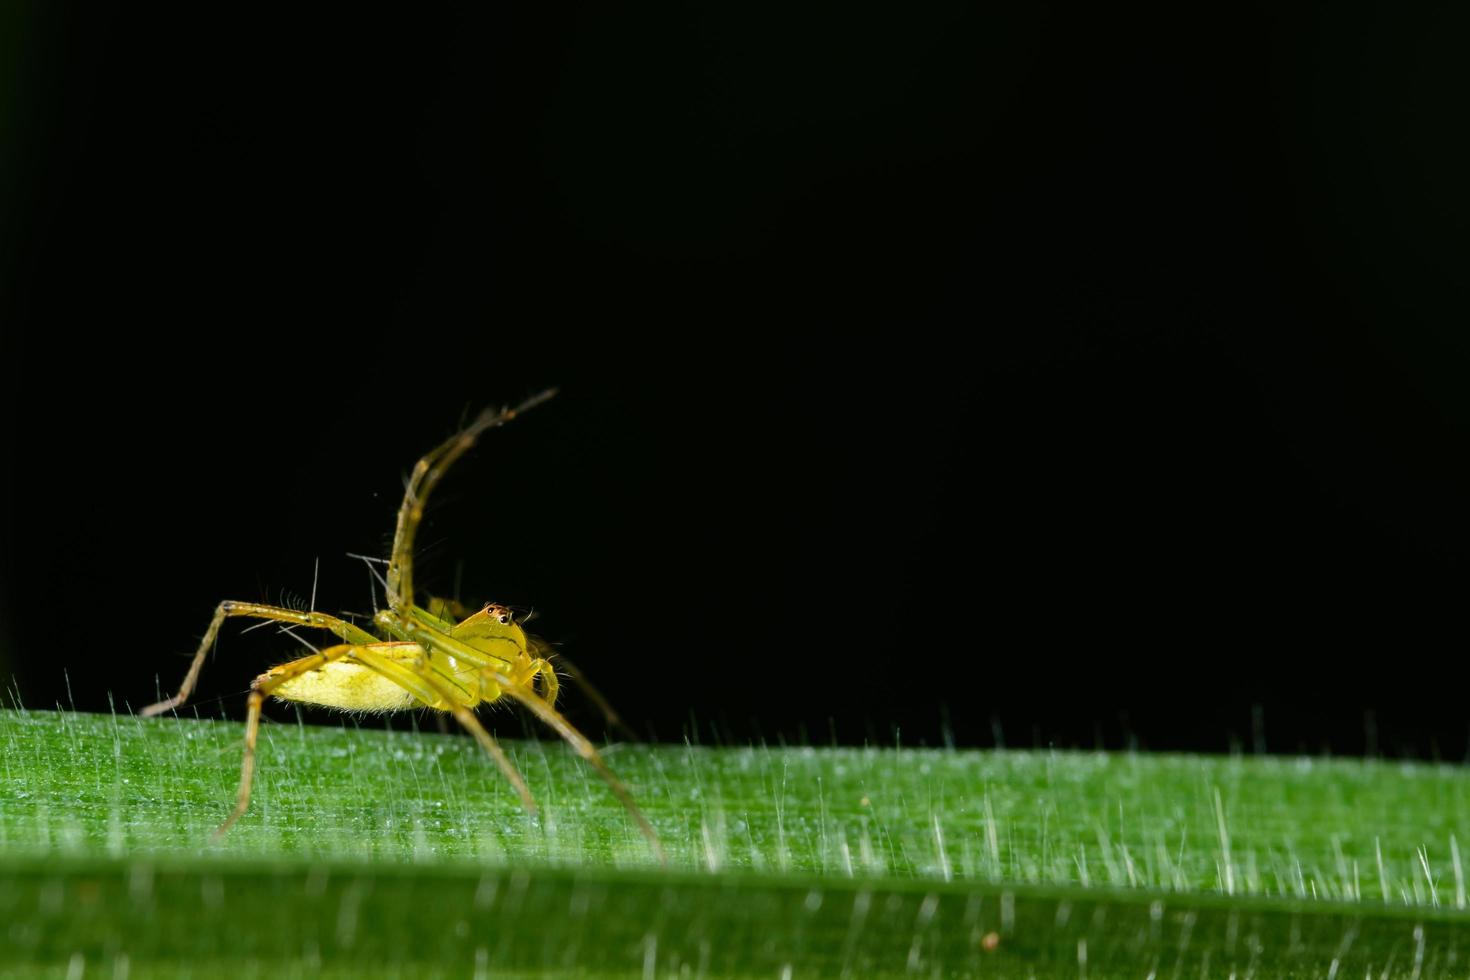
<point>1077,378</point>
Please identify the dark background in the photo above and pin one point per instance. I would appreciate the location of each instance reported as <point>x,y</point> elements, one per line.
<point>1077,378</point>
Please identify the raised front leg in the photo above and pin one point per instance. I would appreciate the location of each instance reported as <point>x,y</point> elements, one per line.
<point>421,483</point>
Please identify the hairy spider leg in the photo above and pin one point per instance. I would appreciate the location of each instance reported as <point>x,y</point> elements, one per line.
<point>448,611</point>
<point>491,668</point>
<point>550,686</point>
<point>439,614</point>
<point>253,610</point>
<point>580,744</point>
<point>427,473</point>
<point>260,689</point>
<point>609,714</point>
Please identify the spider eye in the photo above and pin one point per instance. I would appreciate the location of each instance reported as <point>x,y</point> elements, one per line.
<point>505,618</point>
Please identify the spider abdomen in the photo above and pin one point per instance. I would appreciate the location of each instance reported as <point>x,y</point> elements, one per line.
<point>346,685</point>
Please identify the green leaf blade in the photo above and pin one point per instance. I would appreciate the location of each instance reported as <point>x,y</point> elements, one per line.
<point>821,862</point>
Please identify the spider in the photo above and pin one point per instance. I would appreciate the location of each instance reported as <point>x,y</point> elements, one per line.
<point>422,657</point>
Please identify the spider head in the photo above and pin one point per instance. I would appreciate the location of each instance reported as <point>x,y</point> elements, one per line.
<point>500,614</point>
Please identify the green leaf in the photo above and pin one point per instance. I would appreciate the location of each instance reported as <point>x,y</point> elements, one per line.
<point>401,853</point>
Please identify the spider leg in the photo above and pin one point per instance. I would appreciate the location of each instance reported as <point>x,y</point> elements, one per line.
<point>259,691</point>
<point>254,610</point>
<point>420,679</point>
<point>448,611</point>
<point>550,684</point>
<point>434,616</point>
<point>427,473</point>
<point>609,714</point>
<point>580,744</point>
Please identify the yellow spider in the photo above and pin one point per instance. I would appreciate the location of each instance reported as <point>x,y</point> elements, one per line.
<point>421,658</point>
